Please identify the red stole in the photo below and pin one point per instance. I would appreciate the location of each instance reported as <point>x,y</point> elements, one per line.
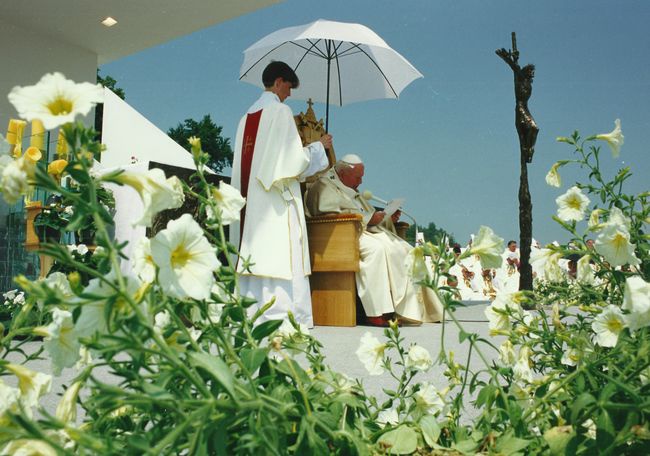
<point>248,148</point>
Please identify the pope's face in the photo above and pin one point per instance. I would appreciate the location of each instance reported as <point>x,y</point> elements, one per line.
<point>512,247</point>
<point>353,177</point>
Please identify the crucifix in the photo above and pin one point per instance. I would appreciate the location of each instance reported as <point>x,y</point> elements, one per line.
<point>527,131</point>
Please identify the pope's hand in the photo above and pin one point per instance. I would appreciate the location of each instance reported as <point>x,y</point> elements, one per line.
<point>396,215</point>
<point>376,218</point>
<point>326,140</point>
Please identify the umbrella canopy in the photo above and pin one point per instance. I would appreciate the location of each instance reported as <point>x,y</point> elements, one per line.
<point>337,62</point>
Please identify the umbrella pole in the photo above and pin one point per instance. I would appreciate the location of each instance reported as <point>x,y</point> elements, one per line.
<point>327,104</point>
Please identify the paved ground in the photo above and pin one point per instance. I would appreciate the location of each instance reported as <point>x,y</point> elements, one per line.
<point>340,345</point>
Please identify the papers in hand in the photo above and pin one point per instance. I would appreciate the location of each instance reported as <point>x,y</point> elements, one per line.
<point>393,206</point>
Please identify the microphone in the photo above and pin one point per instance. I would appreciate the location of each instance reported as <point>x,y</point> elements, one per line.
<point>368,195</point>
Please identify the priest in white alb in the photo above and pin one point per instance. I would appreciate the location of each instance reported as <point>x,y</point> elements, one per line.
<point>268,165</point>
<point>383,284</point>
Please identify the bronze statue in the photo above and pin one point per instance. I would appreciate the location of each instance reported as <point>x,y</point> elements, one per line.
<point>527,130</point>
<point>526,126</point>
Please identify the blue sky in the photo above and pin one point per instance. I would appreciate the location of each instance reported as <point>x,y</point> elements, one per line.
<point>448,145</point>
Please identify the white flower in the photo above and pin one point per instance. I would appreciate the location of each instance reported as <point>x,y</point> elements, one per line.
<point>213,316</point>
<point>287,330</point>
<point>594,219</point>
<point>553,177</point>
<point>418,358</point>
<point>9,398</point>
<point>614,138</point>
<point>497,312</point>
<point>55,100</point>
<point>194,333</point>
<point>61,341</point>
<point>157,193</point>
<point>82,249</point>
<point>547,261</point>
<point>521,369</point>
<point>66,411</point>
<point>507,353</point>
<point>143,265</point>
<point>572,205</point>
<point>10,295</point>
<point>584,273</point>
<point>32,384</point>
<point>428,399</point>
<point>85,358</point>
<point>229,202</point>
<point>185,258</point>
<point>99,250</point>
<point>58,282</point>
<point>371,354</point>
<point>636,300</point>
<point>14,176</point>
<point>28,447</point>
<point>387,417</point>
<point>416,266</point>
<point>613,241</point>
<point>570,357</point>
<point>161,320</point>
<point>608,326</point>
<point>93,310</point>
<point>591,428</point>
<point>489,247</point>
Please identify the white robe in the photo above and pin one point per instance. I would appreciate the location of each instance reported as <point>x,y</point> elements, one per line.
<point>274,235</point>
<point>383,284</point>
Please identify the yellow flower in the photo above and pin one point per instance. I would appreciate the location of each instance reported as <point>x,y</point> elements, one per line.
<point>33,154</point>
<point>614,138</point>
<point>55,100</point>
<point>57,167</point>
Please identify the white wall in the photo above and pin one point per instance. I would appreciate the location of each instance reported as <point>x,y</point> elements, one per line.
<point>26,55</point>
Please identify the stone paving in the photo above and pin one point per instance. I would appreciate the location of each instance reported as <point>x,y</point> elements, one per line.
<point>339,347</point>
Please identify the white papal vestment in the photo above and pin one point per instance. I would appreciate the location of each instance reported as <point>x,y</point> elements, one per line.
<point>383,284</point>
<point>268,164</point>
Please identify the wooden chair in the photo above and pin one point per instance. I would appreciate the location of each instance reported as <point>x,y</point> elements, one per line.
<point>333,248</point>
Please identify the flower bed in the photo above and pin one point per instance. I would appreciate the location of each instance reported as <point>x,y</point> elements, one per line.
<point>196,375</point>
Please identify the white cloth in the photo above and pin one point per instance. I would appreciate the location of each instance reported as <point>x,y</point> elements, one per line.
<point>383,284</point>
<point>274,234</point>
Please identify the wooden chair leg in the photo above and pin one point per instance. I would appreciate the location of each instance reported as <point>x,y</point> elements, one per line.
<point>333,296</point>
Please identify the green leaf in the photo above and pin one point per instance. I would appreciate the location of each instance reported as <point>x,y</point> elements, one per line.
<point>463,336</point>
<point>605,431</point>
<point>580,405</point>
<point>266,328</point>
<point>430,430</point>
<point>403,440</point>
<point>253,358</point>
<point>465,446</point>
<point>509,444</point>
<point>214,366</point>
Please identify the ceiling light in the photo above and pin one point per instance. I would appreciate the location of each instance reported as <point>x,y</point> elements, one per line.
<point>109,22</point>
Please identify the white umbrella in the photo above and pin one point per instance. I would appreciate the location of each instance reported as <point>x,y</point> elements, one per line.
<point>336,62</point>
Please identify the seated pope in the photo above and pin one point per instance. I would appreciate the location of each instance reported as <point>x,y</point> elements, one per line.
<point>383,285</point>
